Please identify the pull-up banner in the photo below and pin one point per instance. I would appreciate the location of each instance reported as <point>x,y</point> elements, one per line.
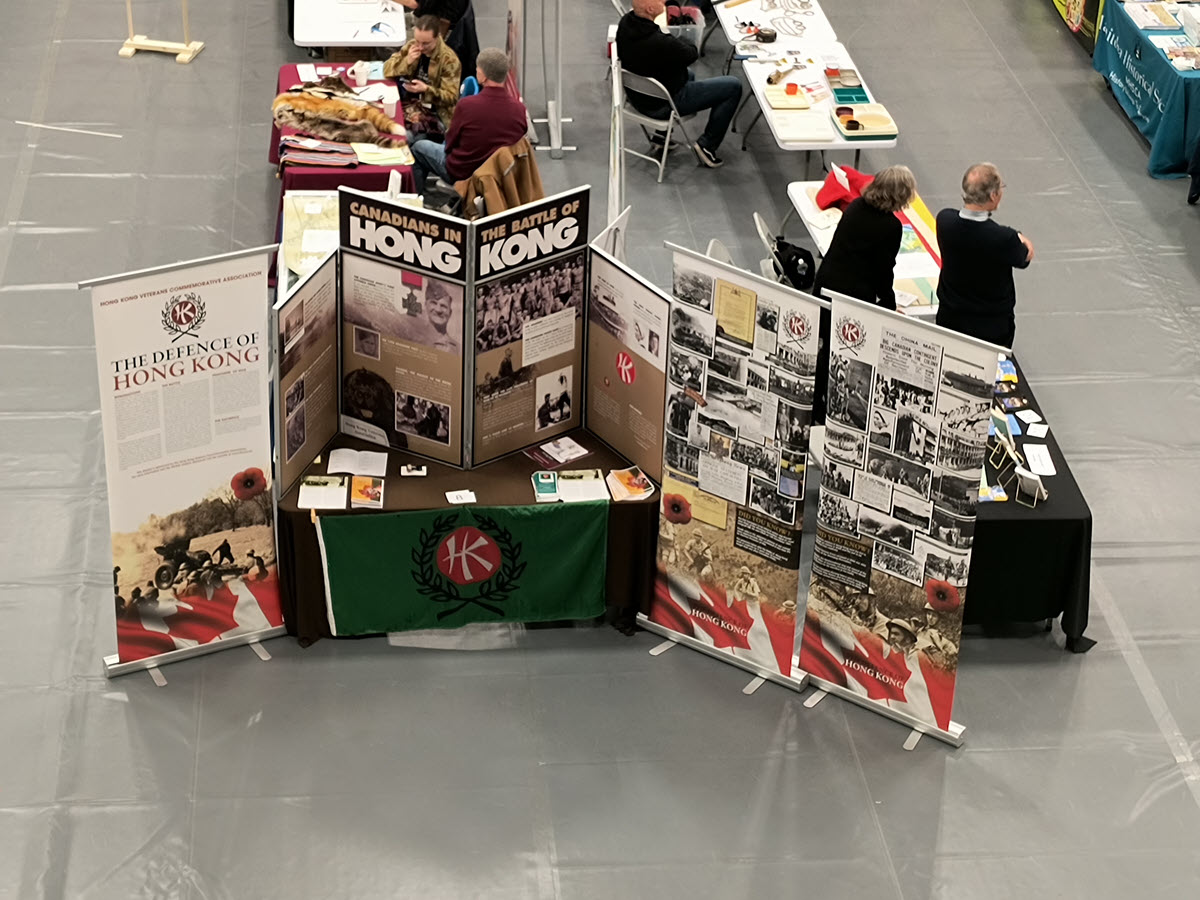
<point>182,354</point>
<point>741,367</point>
<point>905,434</point>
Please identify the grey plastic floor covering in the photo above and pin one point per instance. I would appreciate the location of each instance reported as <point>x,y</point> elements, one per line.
<point>575,765</point>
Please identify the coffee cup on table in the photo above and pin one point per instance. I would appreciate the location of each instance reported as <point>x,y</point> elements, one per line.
<point>358,73</point>
<point>389,108</point>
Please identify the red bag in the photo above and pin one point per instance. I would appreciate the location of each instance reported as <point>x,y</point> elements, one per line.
<point>842,185</point>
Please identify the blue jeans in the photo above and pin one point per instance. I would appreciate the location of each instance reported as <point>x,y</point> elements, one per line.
<point>720,94</point>
<point>430,159</point>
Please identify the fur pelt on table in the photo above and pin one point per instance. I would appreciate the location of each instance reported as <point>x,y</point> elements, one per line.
<point>329,109</point>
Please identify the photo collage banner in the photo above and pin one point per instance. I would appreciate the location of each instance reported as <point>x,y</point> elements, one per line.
<point>905,438</point>
<point>741,365</point>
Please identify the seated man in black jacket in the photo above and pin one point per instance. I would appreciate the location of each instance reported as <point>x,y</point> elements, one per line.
<point>645,50</point>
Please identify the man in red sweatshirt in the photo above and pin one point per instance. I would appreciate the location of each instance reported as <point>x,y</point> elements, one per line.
<point>482,124</point>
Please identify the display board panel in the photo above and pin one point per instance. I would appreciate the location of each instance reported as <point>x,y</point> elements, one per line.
<point>527,326</point>
<point>905,439</point>
<point>404,287</point>
<point>305,332</point>
<point>742,358</point>
<point>182,355</point>
<point>626,362</point>
<point>1082,18</point>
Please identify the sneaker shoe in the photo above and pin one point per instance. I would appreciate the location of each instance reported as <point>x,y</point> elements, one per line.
<point>658,138</point>
<point>707,157</point>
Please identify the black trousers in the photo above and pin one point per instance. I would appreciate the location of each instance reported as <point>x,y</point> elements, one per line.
<point>1193,168</point>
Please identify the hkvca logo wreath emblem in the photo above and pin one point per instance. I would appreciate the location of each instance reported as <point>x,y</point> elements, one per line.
<point>183,315</point>
<point>850,333</point>
<point>468,565</point>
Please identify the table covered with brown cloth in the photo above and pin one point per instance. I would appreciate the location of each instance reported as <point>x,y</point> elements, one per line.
<point>632,527</point>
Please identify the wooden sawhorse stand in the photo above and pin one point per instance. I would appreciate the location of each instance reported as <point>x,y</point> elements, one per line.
<point>184,53</point>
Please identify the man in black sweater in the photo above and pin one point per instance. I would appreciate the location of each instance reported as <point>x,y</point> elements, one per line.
<point>976,294</point>
<point>646,50</point>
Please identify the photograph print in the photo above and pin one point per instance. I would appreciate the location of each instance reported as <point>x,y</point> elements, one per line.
<point>766,324</point>
<point>758,375</point>
<point>943,563</point>
<point>904,473</point>
<point>892,393</point>
<point>716,424</point>
<point>293,326</point>
<point>966,377</point>
<point>366,342</point>
<point>883,427</point>
<point>882,527</point>
<point>296,432</point>
<point>762,462</point>
<point>685,370</point>
<point>896,562</point>
<point>912,510</point>
<point>693,331</point>
<point>844,445</point>
<point>837,478</point>
<point>503,306</point>
<point>849,391</point>
<point>423,418</point>
<point>798,362</point>
<point>552,398</point>
<point>791,472</point>
<point>837,513</point>
<point>767,500</point>
<point>953,531</point>
<point>916,435</point>
<point>957,494</point>
<point>728,362</point>
<point>680,411</point>
<point>792,426</point>
<point>792,388</point>
<point>295,396</point>
<point>692,286</point>
<point>680,455</point>
<point>963,443</point>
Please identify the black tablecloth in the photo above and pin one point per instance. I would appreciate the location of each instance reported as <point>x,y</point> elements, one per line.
<point>632,528</point>
<point>1029,565</point>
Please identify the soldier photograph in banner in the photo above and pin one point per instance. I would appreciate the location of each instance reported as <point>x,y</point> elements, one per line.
<point>908,413</point>
<point>182,356</point>
<point>740,369</point>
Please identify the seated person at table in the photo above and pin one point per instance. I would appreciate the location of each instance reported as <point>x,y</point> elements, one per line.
<point>429,73</point>
<point>482,124</point>
<point>645,50</point>
<point>976,294</point>
<point>863,251</point>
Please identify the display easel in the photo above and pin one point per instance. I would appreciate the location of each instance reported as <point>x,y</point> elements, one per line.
<point>554,118</point>
<point>184,52</point>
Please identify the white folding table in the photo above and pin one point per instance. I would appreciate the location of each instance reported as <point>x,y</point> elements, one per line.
<point>348,23</point>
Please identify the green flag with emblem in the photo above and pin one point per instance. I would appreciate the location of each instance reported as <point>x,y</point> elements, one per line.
<point>450,567</point>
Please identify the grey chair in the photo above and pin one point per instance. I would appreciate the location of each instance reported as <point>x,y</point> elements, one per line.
<point>652,90</point>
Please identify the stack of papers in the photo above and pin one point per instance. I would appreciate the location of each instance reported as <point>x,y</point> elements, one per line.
<point>358,462</point>
<point>366,491</point>
<point>545,487</point>
<point>374,155</point>
<point>1151,16</point>
<point>578,485</point>
<point>322,492</point>
<point>629,484</point>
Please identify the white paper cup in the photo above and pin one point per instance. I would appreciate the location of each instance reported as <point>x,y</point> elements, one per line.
<point>360,78</point>
<point>389,108</point>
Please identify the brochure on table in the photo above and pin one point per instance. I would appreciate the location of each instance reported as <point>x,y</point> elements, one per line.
<point>741,366</point>
<point>182,355</point>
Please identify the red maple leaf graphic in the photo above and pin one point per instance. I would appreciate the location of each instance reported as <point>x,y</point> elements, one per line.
<point>727,624</point>
<point>885,676</point>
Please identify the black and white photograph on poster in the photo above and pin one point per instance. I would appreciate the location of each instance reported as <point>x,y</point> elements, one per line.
<point>366,342</point>
<point>913,510</point>
<point>693,330</point>
<point>720,446</point>
<point>963,442</point>
<point>910,358</point>
<point>320,315</point>
<point>699,435</point>
<point>728,362</point>
<point>837,477</point>
<point>366,395</point>
<point>680,412</point>
<point>766,324</point>
<point>891,393</point>
<point>904,473</point>
<point>916,435</point>
<point>957,494</point>
<point>883,428</point>
<point>882,527</point>
<point>943,563</point>
<point>758,375</point>
<point>423,418</point>
<point>721,476</point>
<point>792,388</point>
<point>621,307</point>
<point>954,531</point>
<point>791,473</point>
<point>792,425</point>
<point>896,562</point>
<point>293,326</point>
<point>762,462</point>
<point>798,362</point>
<point>692,286</point>
<point>716,424</point>
<point>295,396</point>
<point>844,445</point>
<point>731,404</point>
<point>296,433</point>
<point>766,499</point>
<point>507,377</point>
<point>506,306</point>
<point>967,378</point>
<point>837,513</point>
<point>435,319</point>
<point>872,491</point>
<point>849,391</point>
<point>552,398</point>
<point>686,371</point>
<point>722,389</point>
<point>681,456</point>
<point>420,310</point>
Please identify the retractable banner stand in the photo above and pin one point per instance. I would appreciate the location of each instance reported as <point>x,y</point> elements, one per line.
<point>530,273</point>
<point>740,380</point>
<point>182,354</point>
<point>905,434</point>
<point>1083,18</point>
<point>404,281</point>
<point>627,362</point>
<point>306,369</point>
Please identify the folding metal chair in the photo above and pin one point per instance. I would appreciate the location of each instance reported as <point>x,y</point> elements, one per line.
<point>770,267</point>
<point>718,251</point>
<point>652,90</point>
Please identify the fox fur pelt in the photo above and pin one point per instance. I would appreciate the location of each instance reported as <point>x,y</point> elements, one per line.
<point>330,110</point>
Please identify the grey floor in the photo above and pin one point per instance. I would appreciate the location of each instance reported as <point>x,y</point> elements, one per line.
<point>575,765</point>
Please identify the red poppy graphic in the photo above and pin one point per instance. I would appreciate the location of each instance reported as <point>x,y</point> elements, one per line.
<point>942,595</point>
<point>677,509</point>
<point>249,484</point>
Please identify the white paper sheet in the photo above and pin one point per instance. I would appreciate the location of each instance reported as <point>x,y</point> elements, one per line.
<point>1038,430</point>
<point>1028,416</point>
<point>1038,457</point>
<point>358,462</point>
<point>460,496</point>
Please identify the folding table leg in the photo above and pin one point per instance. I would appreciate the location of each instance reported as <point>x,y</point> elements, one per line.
<point>746,133</point>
